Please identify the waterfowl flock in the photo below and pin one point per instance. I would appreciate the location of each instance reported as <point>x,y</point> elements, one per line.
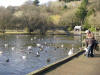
<point>41,47</point>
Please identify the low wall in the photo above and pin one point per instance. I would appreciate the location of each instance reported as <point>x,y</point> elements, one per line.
<point>54,65</point>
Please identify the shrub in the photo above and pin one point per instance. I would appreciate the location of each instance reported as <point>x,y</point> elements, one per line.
<point>93,29</point>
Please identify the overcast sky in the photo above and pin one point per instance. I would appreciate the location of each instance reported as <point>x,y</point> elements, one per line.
<point>18,2</point>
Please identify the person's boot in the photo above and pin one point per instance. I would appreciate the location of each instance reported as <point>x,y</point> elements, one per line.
<point>92,55</point>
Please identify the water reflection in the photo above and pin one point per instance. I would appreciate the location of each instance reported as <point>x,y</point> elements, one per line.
<point>21,54</point>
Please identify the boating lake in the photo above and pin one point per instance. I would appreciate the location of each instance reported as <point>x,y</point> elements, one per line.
<point>22,54</point>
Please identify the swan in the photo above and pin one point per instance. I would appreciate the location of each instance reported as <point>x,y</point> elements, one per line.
<point>6,45</point>
<point>13,48</point>
<point>1,52</point>
<point>29,47</point>
<point>38,45</point>
<point>86,51</point>
<point>31,39</point>
<point>70,52</point>
<point>23,57</point>
<point>62,46</point>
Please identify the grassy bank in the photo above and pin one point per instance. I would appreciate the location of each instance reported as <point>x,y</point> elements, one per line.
<point>35,32</point>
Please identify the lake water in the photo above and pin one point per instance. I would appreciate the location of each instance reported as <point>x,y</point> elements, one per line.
<point>18,53</point>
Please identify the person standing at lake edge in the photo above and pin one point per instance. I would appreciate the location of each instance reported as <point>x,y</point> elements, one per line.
<point>90,43</point>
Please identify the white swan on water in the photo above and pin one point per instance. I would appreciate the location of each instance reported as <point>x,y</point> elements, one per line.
<point>29,47</point>
<point>38,45</point>
<point>70,52</point>
<point>6,45</point>
<point>31,39</point>
<point>23,57</point>
<point>1,52</point>
<point>62,46</point>
<point>13,48</point>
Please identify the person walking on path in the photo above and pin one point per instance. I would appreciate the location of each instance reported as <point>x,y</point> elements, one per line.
<point>90,43</point>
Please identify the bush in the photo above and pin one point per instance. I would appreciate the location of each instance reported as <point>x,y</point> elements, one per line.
<point>86,26</point>
<point>70,28</point>
<point>93,29</point>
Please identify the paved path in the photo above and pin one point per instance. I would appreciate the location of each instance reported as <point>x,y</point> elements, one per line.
<point>79,66</point>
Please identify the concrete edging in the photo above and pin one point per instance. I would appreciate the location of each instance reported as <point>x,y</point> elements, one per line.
<point>56,64</point>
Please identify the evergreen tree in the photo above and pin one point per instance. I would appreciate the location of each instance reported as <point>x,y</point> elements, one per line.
<point>81,14</point>
<point>84,3</point>
<point>82,11</point>
<point>36,2</point>
<point>68,0</point>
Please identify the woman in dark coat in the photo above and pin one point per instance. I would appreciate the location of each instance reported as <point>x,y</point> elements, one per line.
<point>90,43</point>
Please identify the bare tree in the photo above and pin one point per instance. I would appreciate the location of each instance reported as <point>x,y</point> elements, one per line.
<point>5,16</point>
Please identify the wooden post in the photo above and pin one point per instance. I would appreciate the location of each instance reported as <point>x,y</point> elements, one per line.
<point>81,37</point>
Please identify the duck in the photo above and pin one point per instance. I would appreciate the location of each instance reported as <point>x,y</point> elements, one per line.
<point>48,60</point>
<point>7,60</point>
<point>41,49</point>
<point>38,54</point>
<point>70,52</point>
<point>57,47</point>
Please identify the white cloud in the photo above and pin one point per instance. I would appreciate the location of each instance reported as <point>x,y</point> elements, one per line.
<point>18,2</point>
<point>45,1</point>
<point>11,2</point>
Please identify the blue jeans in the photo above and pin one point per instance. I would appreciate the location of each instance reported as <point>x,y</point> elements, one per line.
<point>90,51</point>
